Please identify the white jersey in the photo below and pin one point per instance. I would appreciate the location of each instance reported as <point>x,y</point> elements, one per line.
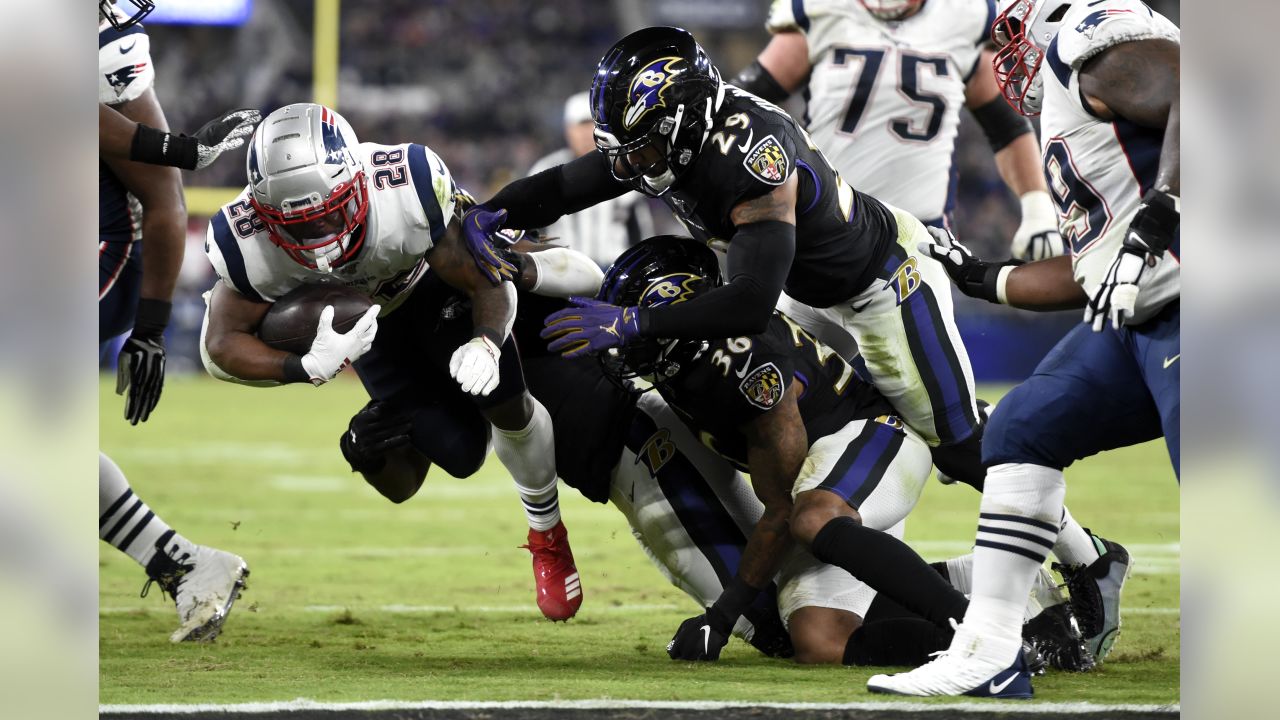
<point>602,231</point>
<point>1097,170</point>
<point>411,201</point>
<point>124,63</point>
<point>884,98</point>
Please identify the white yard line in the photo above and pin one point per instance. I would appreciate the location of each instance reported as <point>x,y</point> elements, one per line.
<point>496,609</point>
<point>1022,708</point>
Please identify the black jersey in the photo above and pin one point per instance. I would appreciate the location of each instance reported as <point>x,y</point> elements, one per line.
<point>842,235</point>
<point>737,379</point>
<point>591,415</point>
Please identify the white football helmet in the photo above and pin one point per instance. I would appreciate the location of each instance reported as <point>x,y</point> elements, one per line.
<point>1022,33</point>
<point>891,9</point>
<point>122,21</point>
<point>307,184</point>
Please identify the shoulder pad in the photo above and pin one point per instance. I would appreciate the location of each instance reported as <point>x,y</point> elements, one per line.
<point>124,64</point>
<point>434,185</point>
<point>222,246</point>
<point>1093,30</point>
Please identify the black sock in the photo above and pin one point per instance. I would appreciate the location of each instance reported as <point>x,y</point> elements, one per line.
<point>899,641</point>
<point>891,567</point>
<point>962,461</point>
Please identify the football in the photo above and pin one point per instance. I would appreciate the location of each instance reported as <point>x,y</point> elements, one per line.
<point>290,324</point>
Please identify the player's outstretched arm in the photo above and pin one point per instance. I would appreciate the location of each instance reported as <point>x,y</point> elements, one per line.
<point>780,70</point>
<point>554,270</point>
<point>493,311</point>
<point>1017,156</point>
<point>120,138</point>
<point>776,448</point>
<point>1042,285</point>
<point>760,256</point>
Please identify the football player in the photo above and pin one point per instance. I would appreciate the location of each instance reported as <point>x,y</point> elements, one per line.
<point>322,207</point>
<point>142,223</point>
<point>885,83</point>
<point>689,508</point>
<point>743,176</point>
<point>792,413</point>
<point>1104,78</point>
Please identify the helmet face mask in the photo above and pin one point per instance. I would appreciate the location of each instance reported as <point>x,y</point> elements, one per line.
<point>890,10</point>
<point>307,185</point>
<point>653,99</point>
<point>662,270</point>
<point>1022,34</point>
<point>106,11</point>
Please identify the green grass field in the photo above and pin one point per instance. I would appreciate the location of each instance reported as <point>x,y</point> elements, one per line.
<point>354,598</point>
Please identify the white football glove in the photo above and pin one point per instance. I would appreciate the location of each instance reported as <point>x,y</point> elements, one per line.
<point>1038,237</point>
<point>475,365</point>
<point>1117,295</point>
<point>332,351</point>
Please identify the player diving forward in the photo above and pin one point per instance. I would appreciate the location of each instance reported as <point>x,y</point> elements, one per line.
<point>322,207</point>
<point>885,81</point>
<point>793,414</point>
<point>1109,126</point>
<point>689,508</point>
<point>141,237</point>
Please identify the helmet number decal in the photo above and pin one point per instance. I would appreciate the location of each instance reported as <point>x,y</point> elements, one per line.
<point>393,172</point>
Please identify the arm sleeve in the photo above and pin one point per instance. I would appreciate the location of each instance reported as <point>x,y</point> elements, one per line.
<point>1001,123</point>
<point>759,257</point>
<point>539,200</point>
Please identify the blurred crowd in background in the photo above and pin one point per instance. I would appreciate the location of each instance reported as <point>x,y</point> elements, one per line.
<point>484,83</point>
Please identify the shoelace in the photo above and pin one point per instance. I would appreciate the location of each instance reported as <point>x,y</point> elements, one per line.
<point>176,577</point>
<point>1086,599</point>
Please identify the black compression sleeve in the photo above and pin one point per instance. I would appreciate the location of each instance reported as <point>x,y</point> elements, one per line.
<point>158,147</point>
<point>1001,123</point>
<point>755,79</point>
<point>541,199</point>
<point>759,258</point>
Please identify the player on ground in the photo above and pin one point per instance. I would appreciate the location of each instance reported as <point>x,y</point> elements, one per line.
<point>322,207</point>
<point>142,223</point>
<point>1105,75</point>
<point>792,413</point>
<point>742,175</point>
<point>689,509</point>
<point>885,81</point>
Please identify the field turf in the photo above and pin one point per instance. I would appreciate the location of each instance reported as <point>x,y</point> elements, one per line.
<point>354,598</point>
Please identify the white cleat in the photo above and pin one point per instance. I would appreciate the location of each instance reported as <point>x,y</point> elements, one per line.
<point>960,670</point>
<point>204,588</point>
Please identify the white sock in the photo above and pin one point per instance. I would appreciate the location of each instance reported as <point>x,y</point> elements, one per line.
<point>529,454</point>
<point>1075,546</point>
<point>960,573</point>
<point>1018,523</point>
<point>125,521</point>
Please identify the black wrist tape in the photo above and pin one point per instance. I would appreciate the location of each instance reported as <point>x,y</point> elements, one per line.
<point>151,317</point>
<point>485,331</point>
<point>1001,123</point>
<point>293,370</point>
<point>158,147</point>
<point>1157,220</point>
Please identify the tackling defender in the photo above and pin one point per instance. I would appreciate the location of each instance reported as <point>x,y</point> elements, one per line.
<point>322,207</point>
<point>1111,152</point>
<point>141,237</point>
<point>885,81</point>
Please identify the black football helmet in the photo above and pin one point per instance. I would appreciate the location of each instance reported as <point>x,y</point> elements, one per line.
<point>652,100</point>
<point>662,270</point>
<point>141,9</point>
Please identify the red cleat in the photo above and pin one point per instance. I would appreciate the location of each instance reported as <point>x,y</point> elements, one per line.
<point>559,590</point>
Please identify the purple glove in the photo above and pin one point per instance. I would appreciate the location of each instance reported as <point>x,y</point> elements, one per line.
<point>479,224</point>
<point>590,327</point>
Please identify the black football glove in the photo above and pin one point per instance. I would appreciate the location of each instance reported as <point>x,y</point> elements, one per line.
<point>377,428</point>
<point>227,132</point>
<point>698,640</point>
<point>140,365</point>
<point>1149,235</point>
<point>975,277</point>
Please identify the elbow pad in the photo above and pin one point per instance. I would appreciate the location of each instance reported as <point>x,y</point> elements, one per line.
<point>1001,123</point>
<point>563,272</point>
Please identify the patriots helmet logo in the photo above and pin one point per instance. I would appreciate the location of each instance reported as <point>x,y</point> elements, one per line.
<point>120,79</point>
<point>334,144</point>
<point>647,87</point>
<point>670,289</point>
<point>1091,23</point>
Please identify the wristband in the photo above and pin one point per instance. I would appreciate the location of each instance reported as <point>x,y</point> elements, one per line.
<point>151,317</point>
<point>1002,282</point>
<point>158,147</point>
<point>293,370</point>
<point>736,598</point>
<point>488,333</point>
